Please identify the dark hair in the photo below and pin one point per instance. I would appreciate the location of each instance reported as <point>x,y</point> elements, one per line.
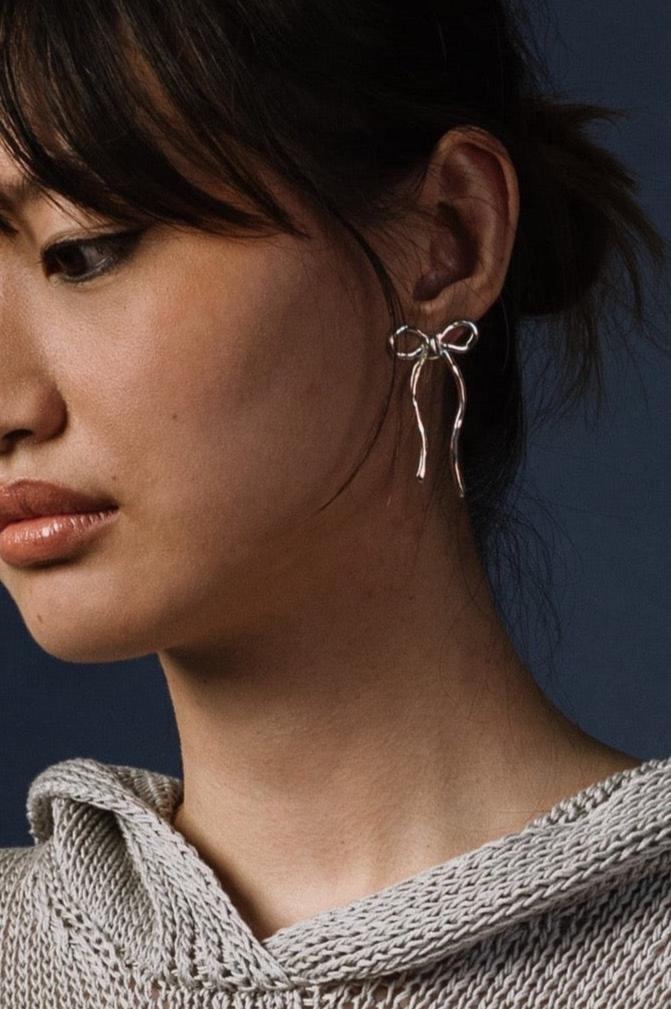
<point>343,100</point>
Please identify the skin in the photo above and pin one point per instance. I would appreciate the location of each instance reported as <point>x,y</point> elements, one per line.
<point>350,708</point>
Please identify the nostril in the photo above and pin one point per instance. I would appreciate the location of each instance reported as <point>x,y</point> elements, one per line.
<point>20,432</point>
<point>14,436</point>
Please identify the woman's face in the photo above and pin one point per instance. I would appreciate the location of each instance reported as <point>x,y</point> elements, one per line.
<point>218,390</point>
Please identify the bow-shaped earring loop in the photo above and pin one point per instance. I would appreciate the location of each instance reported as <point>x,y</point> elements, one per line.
<point>432,348</point>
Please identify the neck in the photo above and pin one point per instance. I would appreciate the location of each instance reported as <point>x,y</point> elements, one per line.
<point>375,720</point>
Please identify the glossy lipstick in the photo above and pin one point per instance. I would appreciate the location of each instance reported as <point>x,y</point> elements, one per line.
<point>40,521</point>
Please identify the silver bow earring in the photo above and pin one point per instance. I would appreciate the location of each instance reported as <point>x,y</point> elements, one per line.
<point>432,348</point>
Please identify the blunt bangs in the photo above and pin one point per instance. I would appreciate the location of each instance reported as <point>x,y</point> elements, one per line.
<point>95,107</point>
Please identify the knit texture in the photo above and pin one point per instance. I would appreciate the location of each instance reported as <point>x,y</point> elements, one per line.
<point>111,908</point>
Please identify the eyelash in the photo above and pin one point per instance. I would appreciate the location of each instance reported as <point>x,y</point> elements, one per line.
<point>124,244</point>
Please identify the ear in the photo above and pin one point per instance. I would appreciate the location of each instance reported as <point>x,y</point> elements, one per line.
<point>471,196</point>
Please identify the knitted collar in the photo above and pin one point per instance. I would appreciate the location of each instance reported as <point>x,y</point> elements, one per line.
<point>125,876</point>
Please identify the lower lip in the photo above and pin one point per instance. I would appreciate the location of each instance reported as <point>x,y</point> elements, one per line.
<point>50,537</point>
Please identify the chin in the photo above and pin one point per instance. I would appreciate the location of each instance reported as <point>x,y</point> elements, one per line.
<point>83,635</point>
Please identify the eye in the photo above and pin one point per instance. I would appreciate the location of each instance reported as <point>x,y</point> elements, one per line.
<point>81,260</point>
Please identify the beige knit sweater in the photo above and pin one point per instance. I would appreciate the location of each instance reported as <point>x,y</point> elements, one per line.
<point>112,908</point>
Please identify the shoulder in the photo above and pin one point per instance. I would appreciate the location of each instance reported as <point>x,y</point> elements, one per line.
<point>619,937</point>
<point>20,871</point>
<point>16,863</point>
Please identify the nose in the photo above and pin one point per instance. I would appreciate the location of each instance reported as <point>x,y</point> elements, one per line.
<point>31,405</point>
<point>31,411</point>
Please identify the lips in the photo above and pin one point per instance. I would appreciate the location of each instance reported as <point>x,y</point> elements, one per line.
<point>25,499</point>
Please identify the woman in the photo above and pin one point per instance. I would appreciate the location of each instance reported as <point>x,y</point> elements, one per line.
<point>263,267</point>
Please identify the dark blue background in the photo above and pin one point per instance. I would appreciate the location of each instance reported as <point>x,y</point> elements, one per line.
<point>598,493</point>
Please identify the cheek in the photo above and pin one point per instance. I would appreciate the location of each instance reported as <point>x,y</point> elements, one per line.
<point>232,418</point>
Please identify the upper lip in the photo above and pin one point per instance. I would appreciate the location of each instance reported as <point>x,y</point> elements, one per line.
<point>24,499</point>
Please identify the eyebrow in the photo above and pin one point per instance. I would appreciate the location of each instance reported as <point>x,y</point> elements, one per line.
<point>16,194</point>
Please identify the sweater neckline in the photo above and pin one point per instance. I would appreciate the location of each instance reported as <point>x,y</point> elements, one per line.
<point>594,822</point>
<point>583,845</point>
